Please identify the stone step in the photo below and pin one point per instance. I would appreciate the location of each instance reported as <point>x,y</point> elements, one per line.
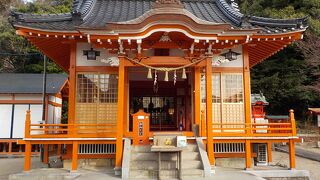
<point>192,147</point>
<point>191,164</point>
<point>153,165</point>
<point>147,148</point>
<point>152,156</point>
<point>165,174</point>
<point>186,155</point>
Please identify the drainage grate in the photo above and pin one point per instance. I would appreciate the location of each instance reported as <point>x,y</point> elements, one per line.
<point>229,148</point>
<point>97,149</point>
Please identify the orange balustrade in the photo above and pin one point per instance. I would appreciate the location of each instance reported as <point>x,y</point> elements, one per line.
<point>69,130</point>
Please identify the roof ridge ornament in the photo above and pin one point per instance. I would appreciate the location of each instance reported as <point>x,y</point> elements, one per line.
<point>167,3</point>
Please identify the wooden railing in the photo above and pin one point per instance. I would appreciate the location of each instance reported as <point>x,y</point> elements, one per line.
<point>68,130</point>
<point>275,129</point>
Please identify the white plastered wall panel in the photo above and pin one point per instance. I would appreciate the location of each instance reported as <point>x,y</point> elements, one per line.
<point>57,115</point>
<point>52,98</point>
<point>50,114</point>
<point>5,120</point>
<point>20,117</point>
<point>58,100</point>
<point>28,97</point>
<point>105,56</point>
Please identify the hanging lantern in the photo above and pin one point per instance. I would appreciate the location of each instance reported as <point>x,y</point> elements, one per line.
<point>171,111</point>
<point>184,75</point>
<point>230,55</point>
<point>149,74</point>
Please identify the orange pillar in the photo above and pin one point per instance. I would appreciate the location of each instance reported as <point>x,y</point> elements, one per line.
<point>197,98</point>
<point>74,164</point>
<point>46,153</point>
<point>119,135</point>
<point>72,87</point>
<point>27,156</point>
<point>292,154</point>
<point>246,88</point>
<point>125,106</point>
<point>209,110</point>
<point>269,151</point>
<point>248,154</point>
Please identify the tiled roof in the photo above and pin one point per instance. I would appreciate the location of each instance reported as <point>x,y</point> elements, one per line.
<point>258,98</point>
<point>30,83</point>
<point>97,13</point>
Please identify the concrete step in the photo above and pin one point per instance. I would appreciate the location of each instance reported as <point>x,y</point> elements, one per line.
<point>192,172</point>
<point>165,174</point>
<point>152,156</point>
<point>143,174</point>
<point>152,165</point>
<point>191,147</point>
<point>191,164</point>
<point>188,155</point>
<point>147,148</point>
<point>165,164</point>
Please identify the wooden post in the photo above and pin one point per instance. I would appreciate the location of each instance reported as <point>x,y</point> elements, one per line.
<point>46,153</point>
<point>293,122</point>
<point>72,87</point>
<point>10,148</point>
<point>74,165</point>
<point>292,154</point>
<point>27,156</point>
<point>197,98</point>
<point>246,88</point>
<point>209,110</point>
<point>248,154</point>
<point>27,125</point>
<point>203,124</point>
<point>119,143</point>
<point>125,106</point>
<point>269,151</point>
<point>4,147</point>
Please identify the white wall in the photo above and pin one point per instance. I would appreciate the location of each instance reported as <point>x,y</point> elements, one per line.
<point>55,99</point>
<point>57,115</point>
<point>102,60</point>
<point>50,114</point>
<point>20,117</point>
<point>5,120</point>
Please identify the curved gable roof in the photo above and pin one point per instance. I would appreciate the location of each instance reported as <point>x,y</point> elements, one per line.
<point>96,14</point>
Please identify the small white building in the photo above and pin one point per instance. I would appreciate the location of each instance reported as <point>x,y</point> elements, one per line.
<point>18,93</point>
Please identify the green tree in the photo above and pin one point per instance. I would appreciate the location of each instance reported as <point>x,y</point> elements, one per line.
<point>290,79</point>
<point>10,43</point>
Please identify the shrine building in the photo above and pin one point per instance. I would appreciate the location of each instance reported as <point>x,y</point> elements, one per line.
<point>140,68</point>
